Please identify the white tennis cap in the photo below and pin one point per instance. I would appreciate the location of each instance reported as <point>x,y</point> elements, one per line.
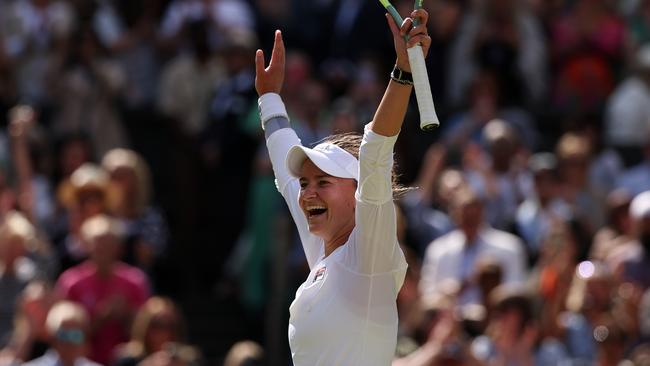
<point>640,206</point>
<point>328,157</point>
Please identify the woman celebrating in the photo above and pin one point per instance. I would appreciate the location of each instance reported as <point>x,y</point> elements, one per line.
<point>340,196</point>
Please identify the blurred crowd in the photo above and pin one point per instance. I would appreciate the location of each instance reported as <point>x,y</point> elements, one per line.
<point>134,176</point>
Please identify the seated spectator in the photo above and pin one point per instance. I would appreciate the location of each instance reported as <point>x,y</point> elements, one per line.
<point>637,179</point>
<point>618,230</point>
<point>635,267</point>
<point>32,340</point>
<point>538,213</point>
<point>110,290</point>
<point>245,353</point>
<point>505,39</point>
<point>426,215</point>
<point>454,255</point>
<point>84,195</point>
<point>511,337</point>
<point>574,152</point>
<point>628,110</point>
<point>486,104</point>
<point>146,229</point>
<point>17,267</point>
<point>593,302</point>
<point>174,355</point>
<point>497,176</point>
<point>445,342</point>
<point>68,326</point>
<point>157,325</point>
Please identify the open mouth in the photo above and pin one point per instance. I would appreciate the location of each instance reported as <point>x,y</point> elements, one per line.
<point>316,211</point>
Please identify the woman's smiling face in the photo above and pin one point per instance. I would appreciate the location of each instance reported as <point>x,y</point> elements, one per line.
<point>328,202</point>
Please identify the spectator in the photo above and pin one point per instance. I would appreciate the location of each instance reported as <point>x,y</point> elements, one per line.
<point>454,255</point>
<point>486,103</point>
<point>188,80</point>
<point>445,343</point>
<point>111,291</point>
<point>618,230</point>
<point>146,230</point>
<point>68,326</point>
<point>628,111</point>
<point>539,212</point>
<point>635,268</point>
<point>173,355</point>
<point>504,38</point>
<point>34,191</point>
<point>588,302</point>
<point>21,261</point>
<point>574,154</point>
<point>637,178</point>
<point>30,338</point>
<point>39,29</point>
<point>586,41</point>
<point>84,195</point>
<point>426,220</point>
<point>86,87</point>
<point>511,337</point>
<point>245,353</point>
<point>157,325</point>
<point>497,178</point>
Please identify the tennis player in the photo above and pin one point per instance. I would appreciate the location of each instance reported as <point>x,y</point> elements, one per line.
<point>340,194</point>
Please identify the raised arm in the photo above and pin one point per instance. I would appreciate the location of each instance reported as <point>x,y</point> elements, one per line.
<point>280,138</point>
<point>391,111</point>
<point>268,84</point>
<point>22,118</point>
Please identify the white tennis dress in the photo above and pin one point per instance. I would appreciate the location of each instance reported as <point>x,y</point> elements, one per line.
<point>345,312</point>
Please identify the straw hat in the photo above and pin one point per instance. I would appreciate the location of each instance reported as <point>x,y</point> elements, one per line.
<point>87,178</point>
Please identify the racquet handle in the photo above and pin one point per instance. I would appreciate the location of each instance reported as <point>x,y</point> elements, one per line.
<point>428,117</point>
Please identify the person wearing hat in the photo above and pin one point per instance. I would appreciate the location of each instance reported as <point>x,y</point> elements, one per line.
<point>340,194</point>
<point>85,194</point>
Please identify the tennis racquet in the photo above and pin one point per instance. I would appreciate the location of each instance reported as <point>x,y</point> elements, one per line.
<point>428,118</point>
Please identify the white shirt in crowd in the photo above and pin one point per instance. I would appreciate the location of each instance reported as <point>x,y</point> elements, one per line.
<point>345,312</point>
<point>628,114</point>
<point>448,258</point>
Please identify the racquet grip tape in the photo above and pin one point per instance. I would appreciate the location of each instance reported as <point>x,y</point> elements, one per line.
<point>428,117</point>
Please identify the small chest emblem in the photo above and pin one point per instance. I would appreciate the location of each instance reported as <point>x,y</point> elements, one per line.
<point>320,274</point>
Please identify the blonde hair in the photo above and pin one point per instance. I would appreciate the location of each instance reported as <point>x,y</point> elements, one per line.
<point>16,225</point>
<point>99,226</point>
<point>351,142</point>
<point>64,311</point>
<point>573,145</point>
<point>155,306</point>
<point>128,159</point>
<point>242,352</point>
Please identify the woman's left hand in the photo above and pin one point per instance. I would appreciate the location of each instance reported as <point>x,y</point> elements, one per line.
<point>418,34</point>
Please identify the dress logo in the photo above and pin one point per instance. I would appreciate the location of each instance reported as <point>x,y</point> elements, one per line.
<point>319,274</point>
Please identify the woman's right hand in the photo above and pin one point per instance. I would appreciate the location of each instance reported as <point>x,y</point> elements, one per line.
<point>270,79</point>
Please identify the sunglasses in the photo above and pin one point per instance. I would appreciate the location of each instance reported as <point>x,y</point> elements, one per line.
<point>74,336</point>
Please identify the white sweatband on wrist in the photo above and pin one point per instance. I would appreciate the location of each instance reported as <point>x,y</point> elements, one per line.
<point>271,105</point>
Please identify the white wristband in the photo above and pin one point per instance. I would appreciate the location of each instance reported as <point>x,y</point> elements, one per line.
<point>271,106</point>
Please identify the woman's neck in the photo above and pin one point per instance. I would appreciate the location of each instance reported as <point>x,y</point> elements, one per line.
<point>337,241</point>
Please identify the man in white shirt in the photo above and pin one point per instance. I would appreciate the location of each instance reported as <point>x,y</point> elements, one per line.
<point>627,117</point>
<point>452,258</point>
